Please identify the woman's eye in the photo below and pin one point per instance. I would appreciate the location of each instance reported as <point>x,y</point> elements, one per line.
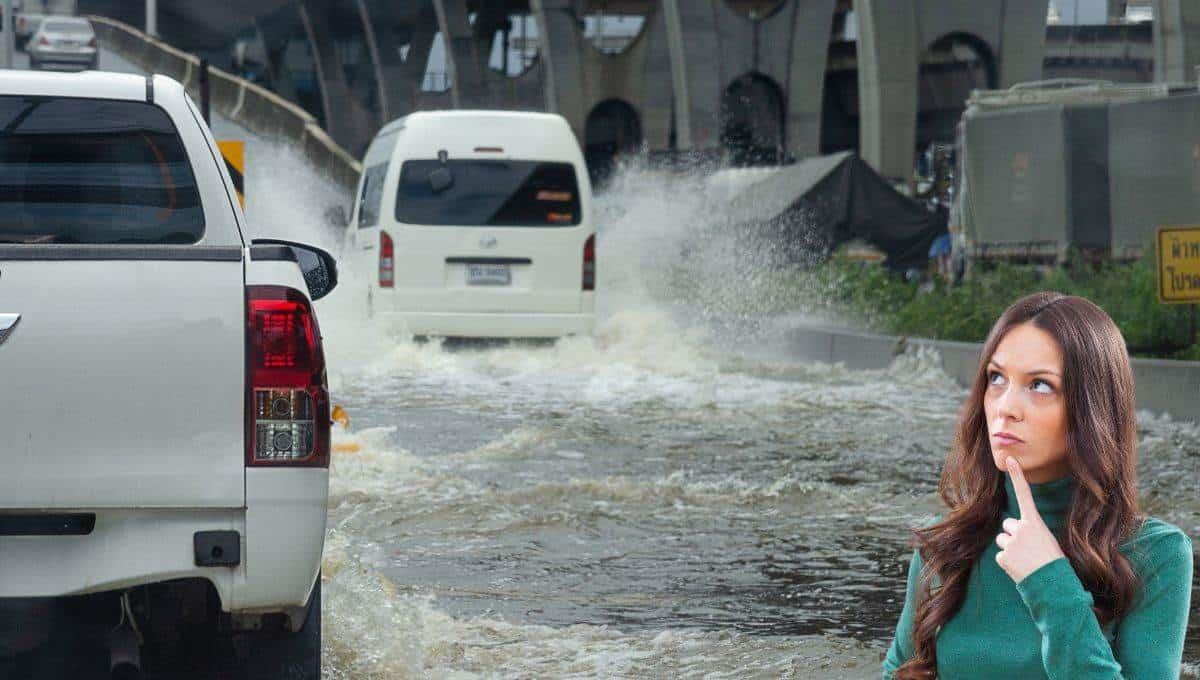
<point>992,377</point>
<point>1049,387</point>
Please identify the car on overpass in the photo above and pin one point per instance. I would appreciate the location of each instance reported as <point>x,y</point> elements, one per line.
<point>164,412</point>
<point>31,13</point>
<point>63,42</point>
<point>477,224</point>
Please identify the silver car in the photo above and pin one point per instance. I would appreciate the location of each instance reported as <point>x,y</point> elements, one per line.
<point>63,42</point>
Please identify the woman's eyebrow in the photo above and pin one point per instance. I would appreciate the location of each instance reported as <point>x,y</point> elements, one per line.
<point>1033,372</point>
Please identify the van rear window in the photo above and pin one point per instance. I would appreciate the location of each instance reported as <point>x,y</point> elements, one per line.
<point>488,193</point>
<point>76,170</point>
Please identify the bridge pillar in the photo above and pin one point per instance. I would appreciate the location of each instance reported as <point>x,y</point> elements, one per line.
<point>808,49</point>
<point>1176,40</point>
<point>695,71</point>
<point>656,95</point>
<point>399,80</point>
<point>893,34</point>
<point>562,47</point>
<point>468,87</point>
<point>713,49</point>
<point>275,32</point>
<point>346,119</point>
<point>887,85</point>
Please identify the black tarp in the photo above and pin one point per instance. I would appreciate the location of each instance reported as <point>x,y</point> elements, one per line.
<point>803,211</point>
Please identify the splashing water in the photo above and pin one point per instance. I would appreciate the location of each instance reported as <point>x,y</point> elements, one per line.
<point>663,499</point>
<point>672,497</point>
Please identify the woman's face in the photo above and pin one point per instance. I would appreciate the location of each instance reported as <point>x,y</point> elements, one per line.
<point>1024,398</point>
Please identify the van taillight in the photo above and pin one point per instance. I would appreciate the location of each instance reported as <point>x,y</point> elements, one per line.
<point>589,263</point>
<point>387,271</point>
<point>287,418</point>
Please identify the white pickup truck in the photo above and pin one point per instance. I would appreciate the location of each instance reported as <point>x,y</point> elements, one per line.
<point>164,414</point>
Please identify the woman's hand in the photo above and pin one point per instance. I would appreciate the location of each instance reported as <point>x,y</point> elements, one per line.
<point>1026,543</point>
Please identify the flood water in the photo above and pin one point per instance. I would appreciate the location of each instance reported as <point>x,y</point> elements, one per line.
<point>674,497</point>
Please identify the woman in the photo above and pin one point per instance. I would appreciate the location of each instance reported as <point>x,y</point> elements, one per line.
<point>1043,567</point>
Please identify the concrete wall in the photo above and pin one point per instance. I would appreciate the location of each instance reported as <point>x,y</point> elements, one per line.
<point>676,74</point>
<point>893,35</point>
<point>713,46</point>
<point>259,110</point>
<point>1160,386</point>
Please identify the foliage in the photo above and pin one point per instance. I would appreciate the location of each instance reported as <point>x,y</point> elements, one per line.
<point>884,302</point>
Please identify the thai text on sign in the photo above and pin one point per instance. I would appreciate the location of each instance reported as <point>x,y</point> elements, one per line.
<point>1178,264</point>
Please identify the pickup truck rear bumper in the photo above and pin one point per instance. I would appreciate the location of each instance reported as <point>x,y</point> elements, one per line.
<point>282,530</point>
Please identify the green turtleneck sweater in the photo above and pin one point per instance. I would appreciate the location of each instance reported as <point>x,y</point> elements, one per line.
<point>1044,627</point>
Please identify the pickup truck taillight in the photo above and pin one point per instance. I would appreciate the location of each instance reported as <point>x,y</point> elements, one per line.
<point>287,419</point>
<point>387,261</point>
<point>589,263</point>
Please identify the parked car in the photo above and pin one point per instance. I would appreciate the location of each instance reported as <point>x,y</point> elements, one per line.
<point>164,414</point>
<point>478,224</point>
<point>63,42</point>
<point>30,14</point>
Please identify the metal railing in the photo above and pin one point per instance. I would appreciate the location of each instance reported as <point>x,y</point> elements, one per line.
<point>251,106</point>
<point>1068,91</point>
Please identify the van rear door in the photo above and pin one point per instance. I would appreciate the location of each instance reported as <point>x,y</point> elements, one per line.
<point>488,235</point>
<point>122,381</point>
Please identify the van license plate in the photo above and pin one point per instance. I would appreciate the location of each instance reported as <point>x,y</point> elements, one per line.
<point>489,275</point>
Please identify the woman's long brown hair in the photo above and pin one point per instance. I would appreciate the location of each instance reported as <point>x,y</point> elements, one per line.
<point>1102,451</point>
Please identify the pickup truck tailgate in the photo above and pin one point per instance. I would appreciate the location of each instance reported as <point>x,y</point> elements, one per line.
<point>122,384</point>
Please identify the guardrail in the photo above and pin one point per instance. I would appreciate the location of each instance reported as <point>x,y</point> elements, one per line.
<point>252,106</point>
<point>1160,385</point>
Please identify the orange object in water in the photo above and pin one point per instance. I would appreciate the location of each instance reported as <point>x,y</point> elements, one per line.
<point>340,416</point>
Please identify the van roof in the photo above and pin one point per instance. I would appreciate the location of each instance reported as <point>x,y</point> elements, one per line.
<point>462,115</point>
<point>478,134</point>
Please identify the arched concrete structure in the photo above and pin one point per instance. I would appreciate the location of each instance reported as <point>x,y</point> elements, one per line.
<point>678,68</point>
<point>463,60</point>
<point>674,74</point>
<point>613,127</point>
<point>562,46</point>
<point>346,118</point>
<point>275,31</point>
<point>946,82</point>
<point>752,121</point>
<point>576,76</point>
<point>892,36</point>
<point>710,44</point>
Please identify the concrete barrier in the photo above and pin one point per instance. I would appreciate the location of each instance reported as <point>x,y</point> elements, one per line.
<point>255,108</point>
<point>1160,385</point>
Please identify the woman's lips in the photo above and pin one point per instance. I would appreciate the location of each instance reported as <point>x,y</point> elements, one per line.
<point>1005,440</point>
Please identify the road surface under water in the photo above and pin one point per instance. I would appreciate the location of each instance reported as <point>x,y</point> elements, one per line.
<point>673,497</point>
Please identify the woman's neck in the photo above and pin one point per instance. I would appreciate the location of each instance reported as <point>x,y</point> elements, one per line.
<point>1052,499</point>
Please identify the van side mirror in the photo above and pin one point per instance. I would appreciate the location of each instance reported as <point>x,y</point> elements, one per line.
<point>318,266</point>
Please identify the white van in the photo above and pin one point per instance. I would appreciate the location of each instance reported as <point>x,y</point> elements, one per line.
<point>477,224</point>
